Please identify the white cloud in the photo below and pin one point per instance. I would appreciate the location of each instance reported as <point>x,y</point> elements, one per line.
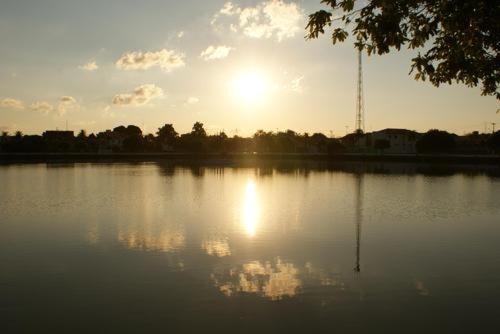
<point>140,96</point>
<point>229,9</point>
<point>167,60</point>
<point>43,107</point>
<point>192,100</point>
<point>180,34</point>
<point>271,18</point>
<point>296,85</point>
<point>90,66</point>
<point>216,52</point>
<point>11,103</point>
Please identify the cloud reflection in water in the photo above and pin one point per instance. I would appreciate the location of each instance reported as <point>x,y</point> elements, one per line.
<point>274,280</point>
<point>166,240</point>
<point>216,247</point>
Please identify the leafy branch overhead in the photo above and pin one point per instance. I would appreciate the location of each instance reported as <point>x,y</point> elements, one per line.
<point>457,40</point>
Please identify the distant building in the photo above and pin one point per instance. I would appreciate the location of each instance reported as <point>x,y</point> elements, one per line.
<point>401,141</point>
<point>391,141</point>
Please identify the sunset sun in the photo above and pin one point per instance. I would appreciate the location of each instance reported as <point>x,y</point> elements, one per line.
<point>251,86</point>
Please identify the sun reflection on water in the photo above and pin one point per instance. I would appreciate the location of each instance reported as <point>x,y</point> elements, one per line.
<point>250,209</point>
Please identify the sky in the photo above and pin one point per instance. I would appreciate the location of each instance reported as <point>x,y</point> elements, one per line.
<point>235,66</point>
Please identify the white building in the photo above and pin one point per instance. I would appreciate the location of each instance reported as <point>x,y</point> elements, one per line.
<point>396,141</point>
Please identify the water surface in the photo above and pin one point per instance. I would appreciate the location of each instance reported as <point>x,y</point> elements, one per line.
<point>158,248</point>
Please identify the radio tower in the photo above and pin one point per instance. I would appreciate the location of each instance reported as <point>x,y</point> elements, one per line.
<point>360,103</point>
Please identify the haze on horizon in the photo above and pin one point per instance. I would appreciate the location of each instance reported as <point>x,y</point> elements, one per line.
<point>241,65</point>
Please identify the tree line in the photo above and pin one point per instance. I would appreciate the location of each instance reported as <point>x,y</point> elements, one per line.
<point>167,139</point>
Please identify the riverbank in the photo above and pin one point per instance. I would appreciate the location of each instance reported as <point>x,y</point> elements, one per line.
<point>252,157</point>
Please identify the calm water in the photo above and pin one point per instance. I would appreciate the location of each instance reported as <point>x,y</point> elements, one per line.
<point>154,248</point>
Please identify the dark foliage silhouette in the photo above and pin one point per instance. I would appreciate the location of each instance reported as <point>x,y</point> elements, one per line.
<point>436,141</point>
<point>494,142</point>
<point>130,139</point>
<point>459,40</point>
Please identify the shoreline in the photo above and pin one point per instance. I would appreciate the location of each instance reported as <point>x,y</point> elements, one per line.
<point>440,159</point>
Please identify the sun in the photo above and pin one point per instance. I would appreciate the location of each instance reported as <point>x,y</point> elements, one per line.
<point>251,86</point>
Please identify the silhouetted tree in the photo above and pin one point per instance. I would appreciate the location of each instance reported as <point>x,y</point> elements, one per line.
<point>149,143</point>
<point>319,142</point>
<point>167,134</point>
<point>436,141</point>
<point>494,142</point>
<point>195,140</point>
<point>217,143</point>
<point>198,130</point>
<point>82,134</point>
<point>132,137</point>
<point>81,141</point>
<point>167,137</point>
<point>335,146</point>
<point>460,40</point>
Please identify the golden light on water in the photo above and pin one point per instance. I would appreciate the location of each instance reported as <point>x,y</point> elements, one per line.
<point>250,209</point>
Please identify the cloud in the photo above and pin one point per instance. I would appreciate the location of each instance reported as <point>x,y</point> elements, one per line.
<point>167,60</point>
<point>229,9</point>
<point>42,107</point>
<point>5,128</point>
<point>140,96</point>
<point>216,52</point>
<point>192,100</point>
<point>66,103</point>
<point>11,103</point>
<point>67,99</point>
<point>180,34</point>
<point>107,112</point>
<point>296,85</point>
<point>90,66</point>
<point>271,18</point>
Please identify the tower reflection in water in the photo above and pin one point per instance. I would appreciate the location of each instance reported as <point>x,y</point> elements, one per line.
<point>358,218</point>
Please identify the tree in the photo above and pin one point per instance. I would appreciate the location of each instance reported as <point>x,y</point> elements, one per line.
<point>436,141</point>
<point>81,141</point>
<point>460,40</point>
<point>133,131</point>
<point>494,142</point>
<point>198,130</point>
<point>82,134</point>
<point>167,134</point>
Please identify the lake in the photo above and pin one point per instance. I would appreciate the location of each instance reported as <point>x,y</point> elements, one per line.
<point>152,247</point>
